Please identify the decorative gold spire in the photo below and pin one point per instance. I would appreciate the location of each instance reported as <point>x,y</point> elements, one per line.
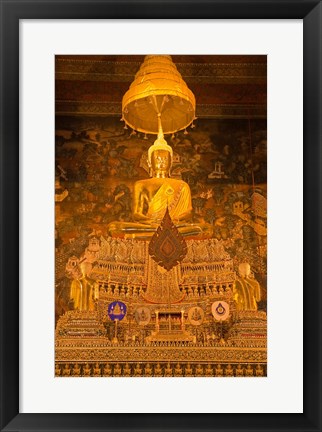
<point>160,143</point>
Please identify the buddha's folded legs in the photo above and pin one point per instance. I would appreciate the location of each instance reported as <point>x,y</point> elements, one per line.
<point>145,231</point>
<point>119,228</point>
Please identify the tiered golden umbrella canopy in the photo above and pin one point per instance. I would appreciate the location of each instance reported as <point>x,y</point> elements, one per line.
<point>158,92</point>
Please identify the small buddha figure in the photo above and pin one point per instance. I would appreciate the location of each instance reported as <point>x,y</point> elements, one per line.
<point>57,370</point>
<point>249,371</point>
<point>107,370</point>
<point>109,289</point>
<point>66,370</point>
<point>153,196</point>
<point>229,371</point>
<point>148,370</point>
<point>259,372</point>
<point>178,370</point>
<point>188,370</point>
<point>117,370</point>
<point>199,370</point>
<point>117,310</point>
<point>76,371</point>
<point>239,371</point>
<point>222,342</point>
<point>219,371</point>
<point>209,371</point>
<point>97,370</point>
<point>127,370</point>
<point>86,370</point>
<point>158,370</point>
<point>196,315</point>
<point>247,291</point>
<point>137,370</point>
<point>168,370</point>
<point>82,287</point>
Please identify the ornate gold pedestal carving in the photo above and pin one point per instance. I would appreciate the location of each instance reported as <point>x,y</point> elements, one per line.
<point>169,328</point>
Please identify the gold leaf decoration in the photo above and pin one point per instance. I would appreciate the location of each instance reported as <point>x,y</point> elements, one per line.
<point>167,246</point>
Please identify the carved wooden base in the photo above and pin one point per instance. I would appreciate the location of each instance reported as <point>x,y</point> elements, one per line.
<point>159,369</point>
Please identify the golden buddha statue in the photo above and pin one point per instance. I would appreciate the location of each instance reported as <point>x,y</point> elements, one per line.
<point>188,370</point>
<point>249,371</point>
<point>87,370</point>
<point>219,371</point>
<point>76,371</point>
<point>229,371</point>
<point>247,291</point>
<point>158,370</point>
<point>259,372</point>
<point>97,370</point>
<point>199,370</point>
<point>209,371</point>
<point>57,370</point>
<point>66,370</point>
<point>117,370</point>
<point>168,370</point>
<point>153,196</point>
<point>137,370</point>
<point>239,371</point>
<point>178,370</point>
<point>127,370</point>
<point>82,288</point>
<point>148,370</point>
<point>107,370</point>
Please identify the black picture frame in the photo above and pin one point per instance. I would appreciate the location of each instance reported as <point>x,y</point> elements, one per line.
<point>11,12</point>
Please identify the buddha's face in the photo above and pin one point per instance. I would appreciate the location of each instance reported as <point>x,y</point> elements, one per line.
<point>160,163</point>
<point>244,270</point>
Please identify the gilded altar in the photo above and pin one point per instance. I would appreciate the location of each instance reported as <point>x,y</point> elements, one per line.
<point>160,243</point>
<point>169,326</point>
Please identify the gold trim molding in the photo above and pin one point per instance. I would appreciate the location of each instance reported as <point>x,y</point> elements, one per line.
<point>221,73</point>
<point>202,110</point>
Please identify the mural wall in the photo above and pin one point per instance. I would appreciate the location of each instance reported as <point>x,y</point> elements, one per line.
<point>222,160</point>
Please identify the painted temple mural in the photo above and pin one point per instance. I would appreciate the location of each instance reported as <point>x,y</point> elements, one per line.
<point>161,246</point>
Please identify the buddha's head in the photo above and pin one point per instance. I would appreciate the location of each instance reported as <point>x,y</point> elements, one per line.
<point>160,158</point>
<point>160,163</point>
<point>244,270</point>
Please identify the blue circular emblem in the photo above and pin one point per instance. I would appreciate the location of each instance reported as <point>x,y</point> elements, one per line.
<point>116,310</point>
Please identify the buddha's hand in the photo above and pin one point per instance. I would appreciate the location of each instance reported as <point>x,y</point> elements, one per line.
<point>140,217</point>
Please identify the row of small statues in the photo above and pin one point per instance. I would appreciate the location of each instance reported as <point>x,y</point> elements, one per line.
<point>124,291</point>
<point>208,290</point>
<point>158,370</point>
<point>121,250</point>
<point>134,251</point>
<point>246,291</point>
